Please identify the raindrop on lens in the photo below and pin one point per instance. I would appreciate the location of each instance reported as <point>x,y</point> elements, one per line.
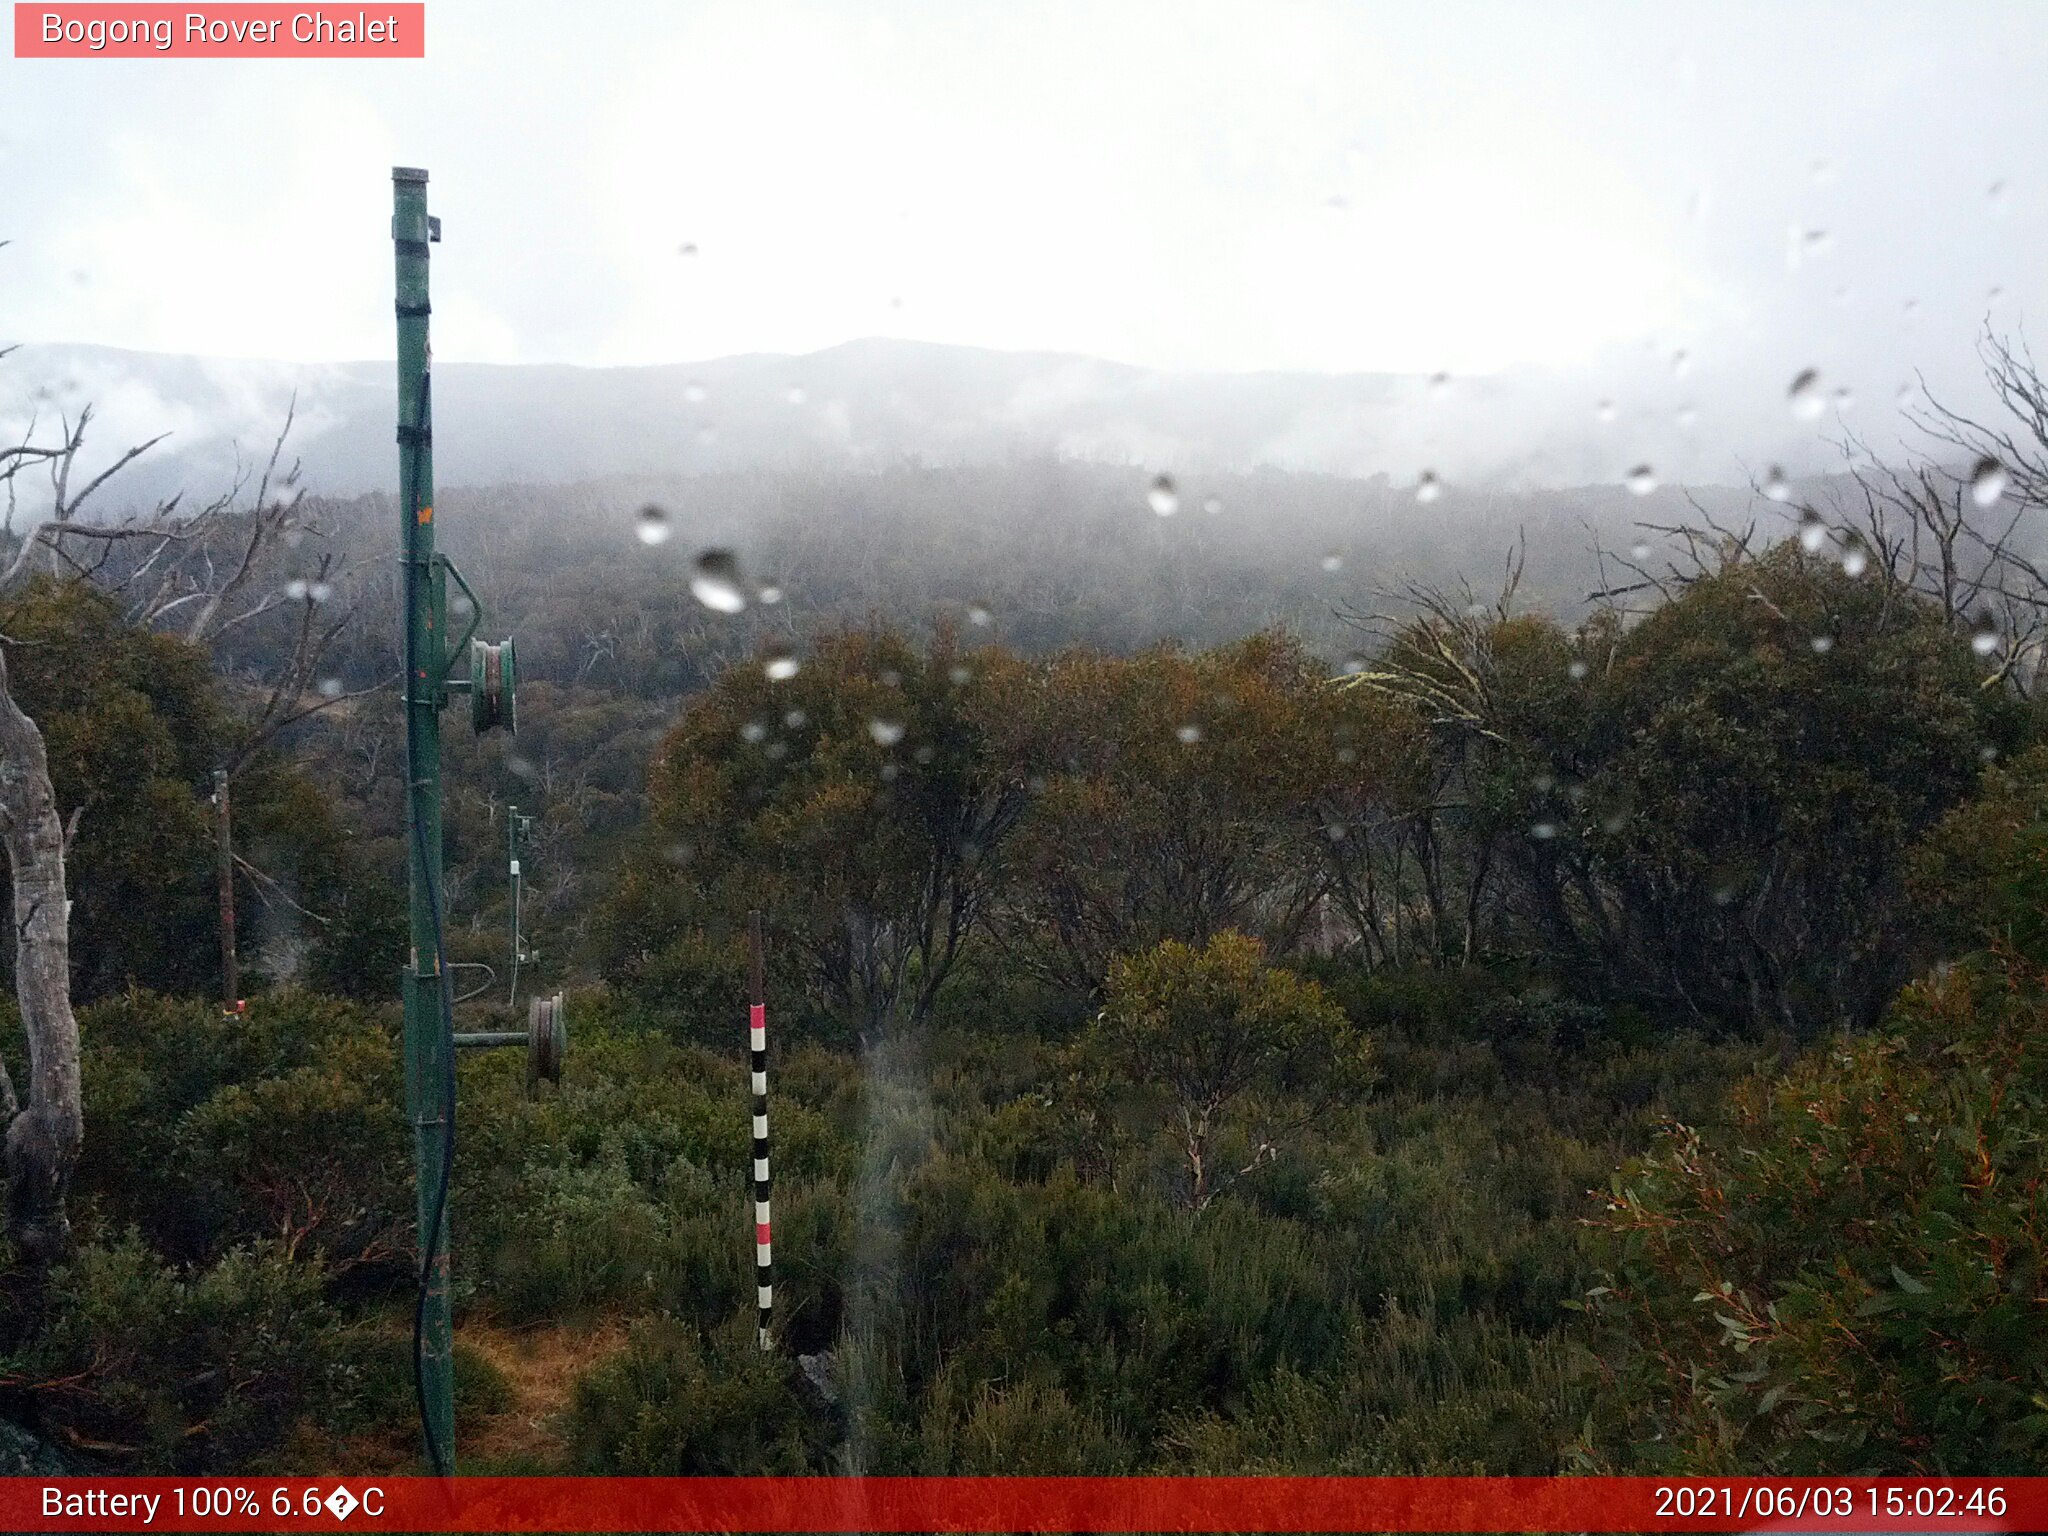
<point>1642,480</point>
<point>716,581</point>
<point>650,525</point>
<point>979,617</point>
<point>768,597</point>
<point>694,392</point>
<point>1639,551</point>
<point>886,732</point>
<point>1578,670</point>
<point>1776,486</point>
<point>1812,532</point>
<point>330,687</point>
<point>1984,636</point>
<point>1988,481</point>
<point>1855,561</point>
<point>295,589</point>
<point>1162,497</point>
<point>1428,488</point>
<point>1805,395</point>
<point>795,394</point>
<point>1604,410</point>
<point>1333,562</point>
<point>1439,385</point>
<point>1822,644</point>
<point>781,666</point>
<point>1543,831</point>
<point>753,731</point>
<point>1212,505</point>
<point>1189,735</point>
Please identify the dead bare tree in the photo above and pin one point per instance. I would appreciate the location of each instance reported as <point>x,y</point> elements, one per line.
<point>207,567</point>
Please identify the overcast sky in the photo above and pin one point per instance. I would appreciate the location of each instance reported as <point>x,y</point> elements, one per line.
<point>1691,202</point>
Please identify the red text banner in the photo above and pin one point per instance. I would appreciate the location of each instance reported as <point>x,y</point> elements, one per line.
<point>989,1504</point>
<point>238,31</point>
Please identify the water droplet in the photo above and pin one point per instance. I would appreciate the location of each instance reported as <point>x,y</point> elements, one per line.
<point>1439,385</point>
<point>1161,497</point>
<point>694,392</point>
<point>650,525</point>
<point>1855,560</point>
<point>886,732</point>
<point>796,720</point>
<point>1543,831</point>
<point>1428,488</point>
<point>1985,754</point>
<point>1688,417</point>
<point>1212,505</point>
<point>319,591</point>
<point>1843,398</point>
<point>1911,309</point>
<point>1577,671</point>
<point>1996,192</point>
<point>1815,242</point>
<point>716,581</point>
<point>295,589</point>
<point>330,687</point>
<point>1333,561</point>
<point>754,731</point>
<point>795,394</point>
<point>769,596</point>
<point>1812,531</point>
<point>1822,644</point>
<point>960,677</point>
<point>687,248</point>
<point>1988,482</point>
<point>1639,551</point>
<point>1189,735</point>
<point>1805,396</point>
<point>780,666</point>
<point>1984,633</point>
<point>1351,666</point>
<point>1681,363</point>
<point>1776,486</point>
<point>1642,480</point>
<point>979,617</point>
<point>1604,411</point>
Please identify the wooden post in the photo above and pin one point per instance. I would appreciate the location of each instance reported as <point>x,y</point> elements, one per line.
<point>230,978</point>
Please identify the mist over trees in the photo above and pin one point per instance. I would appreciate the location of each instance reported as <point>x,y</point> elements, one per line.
<point>1213,956</point>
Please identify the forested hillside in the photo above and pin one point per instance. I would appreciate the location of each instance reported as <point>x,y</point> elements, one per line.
<point>1268,973</point>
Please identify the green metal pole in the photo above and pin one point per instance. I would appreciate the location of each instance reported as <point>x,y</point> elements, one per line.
<point>512,874</point>
<point>429,1050</point>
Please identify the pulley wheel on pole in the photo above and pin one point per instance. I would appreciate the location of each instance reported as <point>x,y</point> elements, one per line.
<point>493,700</point>
<point>547,1041</point>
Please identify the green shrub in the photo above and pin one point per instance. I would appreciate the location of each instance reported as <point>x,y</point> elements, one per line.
<point>676,1403</point>
<point>179,1370</point>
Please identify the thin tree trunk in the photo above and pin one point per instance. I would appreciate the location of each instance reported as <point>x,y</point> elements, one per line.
<point>43,1132</point>
<point>230,978</point>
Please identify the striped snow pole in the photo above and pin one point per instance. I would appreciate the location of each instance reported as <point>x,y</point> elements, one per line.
<point>757,1050</point>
